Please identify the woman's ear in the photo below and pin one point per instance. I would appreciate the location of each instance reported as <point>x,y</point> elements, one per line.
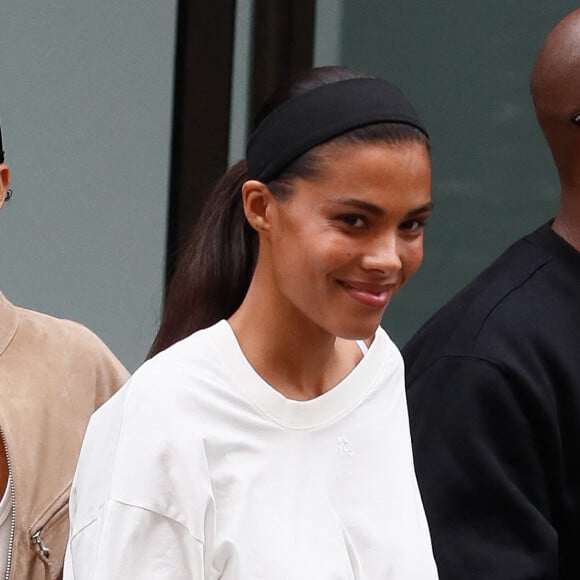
<point>256,199</point>
<point>4,182</point>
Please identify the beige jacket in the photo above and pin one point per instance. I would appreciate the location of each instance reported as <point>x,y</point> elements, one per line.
<point>53,375</point>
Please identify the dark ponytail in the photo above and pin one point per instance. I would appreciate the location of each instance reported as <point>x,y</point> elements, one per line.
<point>215,268</point>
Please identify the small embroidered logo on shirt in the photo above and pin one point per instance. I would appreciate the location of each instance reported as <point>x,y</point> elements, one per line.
<point>344,445</point>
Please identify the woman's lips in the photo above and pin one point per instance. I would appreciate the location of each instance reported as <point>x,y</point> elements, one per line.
<point>374,295</point>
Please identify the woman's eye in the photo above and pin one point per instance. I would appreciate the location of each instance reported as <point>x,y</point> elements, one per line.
<point>354,221</point>
<point>414,225</point>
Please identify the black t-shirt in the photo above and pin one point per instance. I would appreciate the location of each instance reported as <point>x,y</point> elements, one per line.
<point>493,385</point>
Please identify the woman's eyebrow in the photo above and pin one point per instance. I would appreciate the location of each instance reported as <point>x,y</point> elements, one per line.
<point>428,207</point>
<point>359,204</point>
<point>375,209</point>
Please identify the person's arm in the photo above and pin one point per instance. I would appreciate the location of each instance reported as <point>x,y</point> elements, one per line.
<point>126,541</point>
<point>141,496</point>
<point>484,450</point>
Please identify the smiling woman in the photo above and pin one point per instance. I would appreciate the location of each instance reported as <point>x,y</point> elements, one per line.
<point>268,435</point>
<point>342,244</point>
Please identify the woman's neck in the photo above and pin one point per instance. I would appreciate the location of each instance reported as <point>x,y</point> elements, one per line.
<point>289,351</point>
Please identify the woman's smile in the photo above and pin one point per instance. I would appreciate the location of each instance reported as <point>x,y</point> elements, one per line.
<point>373,295</point>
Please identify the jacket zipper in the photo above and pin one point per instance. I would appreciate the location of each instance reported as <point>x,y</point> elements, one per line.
<point>12,509</point>
<point>36,537</point>
<point>40,544</point>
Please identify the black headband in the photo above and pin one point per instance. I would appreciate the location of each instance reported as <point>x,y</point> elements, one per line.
<point>305,121</point>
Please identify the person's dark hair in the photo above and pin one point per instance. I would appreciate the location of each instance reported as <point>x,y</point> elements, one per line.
<point>215,268</point>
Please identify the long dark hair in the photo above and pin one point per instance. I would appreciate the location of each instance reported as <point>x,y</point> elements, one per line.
<point>215,268</point>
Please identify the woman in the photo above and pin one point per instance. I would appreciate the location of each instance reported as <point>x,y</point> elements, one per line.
<point>272,442</point>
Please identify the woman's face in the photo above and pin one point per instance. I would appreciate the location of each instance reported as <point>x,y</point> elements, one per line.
<point>345,242</point>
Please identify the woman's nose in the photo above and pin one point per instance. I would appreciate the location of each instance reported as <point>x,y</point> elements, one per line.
<point>383,255</point>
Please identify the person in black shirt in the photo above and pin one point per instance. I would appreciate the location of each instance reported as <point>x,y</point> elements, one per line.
<point>494,379</point>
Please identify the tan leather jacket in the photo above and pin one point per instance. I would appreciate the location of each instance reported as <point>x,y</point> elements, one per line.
<point>53,375</point>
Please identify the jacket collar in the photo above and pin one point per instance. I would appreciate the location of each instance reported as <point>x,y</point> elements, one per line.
<point>8,322</point>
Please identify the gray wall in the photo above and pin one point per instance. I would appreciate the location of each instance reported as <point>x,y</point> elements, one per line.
<point>85,104</point>
<point>466,67</point>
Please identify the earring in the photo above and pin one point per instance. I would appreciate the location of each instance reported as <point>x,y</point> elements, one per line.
<point>576,118</point>
<point>8,195</point>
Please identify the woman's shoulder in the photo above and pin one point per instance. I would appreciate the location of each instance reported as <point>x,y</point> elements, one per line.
<point>196,346</point>
<point>198,358</point>
<point>167,384</point>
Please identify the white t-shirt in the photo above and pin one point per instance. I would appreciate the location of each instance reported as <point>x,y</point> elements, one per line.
<point>5,525</point>
<point>198,469</point>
